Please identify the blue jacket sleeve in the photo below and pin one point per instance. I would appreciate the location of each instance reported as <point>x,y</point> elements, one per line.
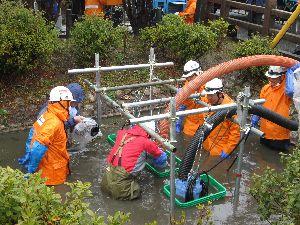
<point>180,119</point>
<point>25,158</point>
<point>37,152</point>
<point>290,79</point>
<point>70,123</point>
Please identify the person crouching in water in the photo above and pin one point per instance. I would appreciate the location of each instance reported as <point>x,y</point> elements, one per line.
<point>224,138</point>
<point>47,150</point>
<point>126,159</point>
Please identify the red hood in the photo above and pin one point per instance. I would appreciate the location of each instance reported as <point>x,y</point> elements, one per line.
<point>137,131</point>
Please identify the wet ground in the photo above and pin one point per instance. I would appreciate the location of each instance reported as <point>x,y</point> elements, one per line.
<point>89,164</point>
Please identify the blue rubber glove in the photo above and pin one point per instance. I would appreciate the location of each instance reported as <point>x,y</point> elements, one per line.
<point>254,120</point>
<point>32,159</point>
<point>180,120</point>
<point>161,161</point>
<point>224,155</point>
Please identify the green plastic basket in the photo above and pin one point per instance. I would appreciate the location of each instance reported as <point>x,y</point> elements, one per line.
<point>111,138</point>
<point>219,191</point>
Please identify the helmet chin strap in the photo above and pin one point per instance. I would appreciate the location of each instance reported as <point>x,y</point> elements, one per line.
<point>222,97</point>
<point>67,109</point>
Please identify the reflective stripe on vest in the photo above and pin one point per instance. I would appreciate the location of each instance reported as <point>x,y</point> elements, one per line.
<point>91,7</point>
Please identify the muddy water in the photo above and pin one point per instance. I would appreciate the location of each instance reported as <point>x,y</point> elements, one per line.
<point>89,164</point>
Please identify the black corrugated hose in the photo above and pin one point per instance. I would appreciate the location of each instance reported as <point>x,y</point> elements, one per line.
<point>190,153</point>
<point>214,120</point>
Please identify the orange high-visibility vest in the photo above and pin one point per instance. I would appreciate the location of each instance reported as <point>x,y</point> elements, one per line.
<point>93,7</point>
<point>224,137</point>
<point>192,122</point>
<point>49,130</point>
<point>189,13</point>
<point>279,102</point>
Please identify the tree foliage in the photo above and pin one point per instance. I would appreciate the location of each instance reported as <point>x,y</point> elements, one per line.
<point>95,35</point>
<point>28,201</point>
<point>26,40</point>
<point>278,193</point>
<point>182,41</point>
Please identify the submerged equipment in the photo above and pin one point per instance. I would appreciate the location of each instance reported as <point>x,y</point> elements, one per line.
<point>86,131</point>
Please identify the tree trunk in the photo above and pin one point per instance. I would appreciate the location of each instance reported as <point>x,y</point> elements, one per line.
<point>139,13</point>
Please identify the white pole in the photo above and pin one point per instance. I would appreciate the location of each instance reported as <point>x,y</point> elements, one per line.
<point>151,62</point>
<point>98,85</point>
<point>242,114</point>
<point>172,159</point>
<point>117,68</point>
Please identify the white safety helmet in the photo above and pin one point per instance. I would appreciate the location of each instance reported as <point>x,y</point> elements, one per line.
<point>60,93</point>
<point>150,124</point>
<point>191,68</point>
<point>213,86</point>
<point>275,71</point>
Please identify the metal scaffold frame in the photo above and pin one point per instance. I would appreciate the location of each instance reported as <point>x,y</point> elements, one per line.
<point>242,105</point>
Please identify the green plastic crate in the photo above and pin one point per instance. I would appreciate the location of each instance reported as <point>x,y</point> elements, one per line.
<point>111,138</point>
<point>219,192</point>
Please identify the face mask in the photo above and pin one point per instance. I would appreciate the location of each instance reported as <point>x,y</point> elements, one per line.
<point>72,111</point>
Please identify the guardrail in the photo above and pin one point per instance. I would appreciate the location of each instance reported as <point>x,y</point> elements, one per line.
<point>269,12</point>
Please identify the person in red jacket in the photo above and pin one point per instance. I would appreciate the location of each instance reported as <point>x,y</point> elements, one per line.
<point>126,159</point>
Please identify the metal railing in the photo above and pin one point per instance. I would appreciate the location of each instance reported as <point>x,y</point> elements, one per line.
<point>241,105</point>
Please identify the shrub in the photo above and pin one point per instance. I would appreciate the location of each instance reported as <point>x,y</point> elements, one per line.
<point>255,46</point>
<point>3,117</point>
<point>95,35</point>
<point>179,40</point>
<point>26,40</point>
<point>30,201</point>
<point>278,193</point>
<point>220,28</point>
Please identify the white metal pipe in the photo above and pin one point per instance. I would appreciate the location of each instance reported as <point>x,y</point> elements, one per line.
<point>176,89</point>
<point>172,159</point>
<point>190,112</point>
<point>117,68</point>
<point>98,85</point>
<point>130,86</point>
<point>152,133</point>
<point>148,102</point>
<point>151,71</point>
<point>243,119</point>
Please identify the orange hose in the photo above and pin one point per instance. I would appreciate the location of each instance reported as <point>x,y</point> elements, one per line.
<point>220,70</point>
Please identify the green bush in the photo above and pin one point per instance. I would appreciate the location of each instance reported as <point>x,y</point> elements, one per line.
<point>95,35</point>
<point>278,192</point>
<point>255,46</point>
<point>26,40</point>
<point>30,202</point>
<point>178,40</point>
<point>220,28</point>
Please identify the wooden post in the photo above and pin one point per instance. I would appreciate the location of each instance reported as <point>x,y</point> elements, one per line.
<point>268,19</point>
<point>224,11</point>
<point>201,11</point>
<point>68,22</point>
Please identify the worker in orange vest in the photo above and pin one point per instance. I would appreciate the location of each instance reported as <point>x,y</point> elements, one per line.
<point>192,122</point>
<point>47,151</point>
<point>276,137</point>
<point>188,13</point>
<point>223,139</point>
<point>93,7</point>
